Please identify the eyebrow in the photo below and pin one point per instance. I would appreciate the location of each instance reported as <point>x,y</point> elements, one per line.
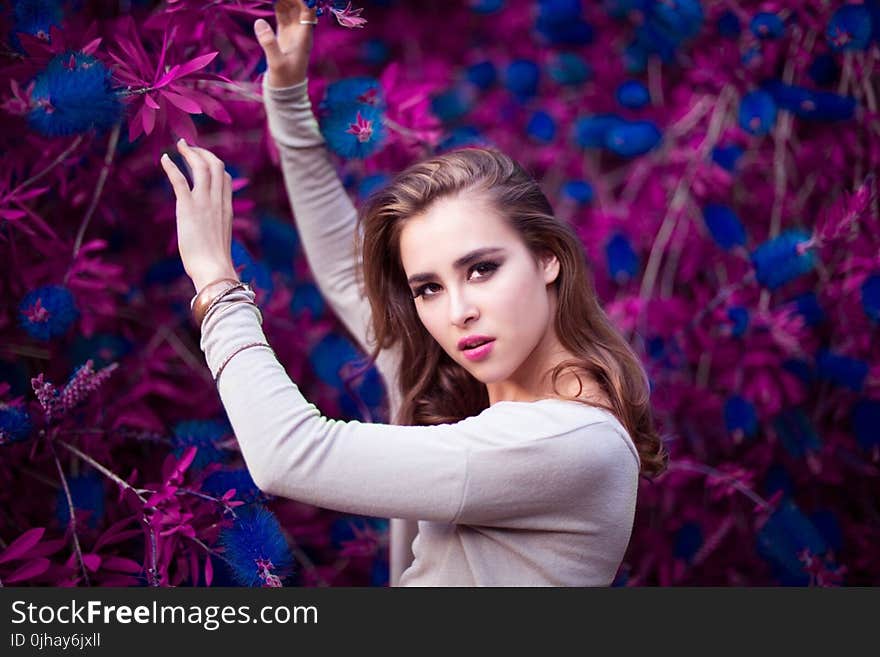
<point>461,263</point>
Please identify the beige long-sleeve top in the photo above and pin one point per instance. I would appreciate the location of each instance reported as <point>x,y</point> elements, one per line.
<point>526,493</point>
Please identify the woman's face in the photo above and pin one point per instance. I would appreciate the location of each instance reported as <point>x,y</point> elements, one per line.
<point>471,274</point>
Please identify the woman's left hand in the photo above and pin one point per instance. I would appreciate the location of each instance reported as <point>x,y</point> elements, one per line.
<point>204,215</point>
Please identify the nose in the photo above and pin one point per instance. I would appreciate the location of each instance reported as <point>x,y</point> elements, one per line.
<point>461,308</point>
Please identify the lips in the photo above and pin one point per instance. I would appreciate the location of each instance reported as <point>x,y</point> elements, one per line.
<point>473,341</point>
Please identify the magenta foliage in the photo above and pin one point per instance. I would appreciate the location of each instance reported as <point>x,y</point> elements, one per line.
<point>764,396</point>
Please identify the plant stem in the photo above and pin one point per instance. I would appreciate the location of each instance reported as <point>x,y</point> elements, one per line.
<point>72,520</point>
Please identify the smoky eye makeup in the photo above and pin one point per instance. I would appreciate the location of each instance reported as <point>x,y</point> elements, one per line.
<point>485,268</point>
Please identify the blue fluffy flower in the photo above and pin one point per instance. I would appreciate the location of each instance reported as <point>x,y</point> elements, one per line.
<point>865,418</point>
<point>623,263</point>
<point>521,78</point>
<point>360,91</point>
<point>757,112</point>
<point>15,424</point>
<point>688,540</point>
<point>255,548</point>
<point>841,370</point>
<point>482,74</point>
<point>782,538</point>
<point>724,226</point>
<point>590,131</point>
<point>740,415</point>
<point>328,357</point>
<point>807,306</point>
<point>778,261</point>
<point>632,138</point>
<point>796,433</point>
<point>306,296</point>
<point>560,22</point>
<point>849,28</point>
<point>87,493</point>
<point>809,104</point>
<point>728,25</point>
<point>739,318</point>
<point>727,156</point>
<point>578,190</point>
<point>767,25</point>
<point>72,95</point>
<point>203,434</point>
<point>279,243</point>
<point>47,312</point>
<point>870,294</point>
<point>354,130</point>
<point>34,17</point>
<point>633,94</point>
<point>541,127</point>
<point>568,68</point>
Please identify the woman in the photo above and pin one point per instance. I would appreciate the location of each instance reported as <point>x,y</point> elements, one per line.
<point>522,418</point>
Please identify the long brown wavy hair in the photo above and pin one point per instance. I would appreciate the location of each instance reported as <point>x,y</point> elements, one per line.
<point>434,389</point>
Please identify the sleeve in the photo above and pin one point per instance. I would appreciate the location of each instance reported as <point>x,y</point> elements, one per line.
<point>324,215</point>
<point>293,451</point>
<point>453,473</point>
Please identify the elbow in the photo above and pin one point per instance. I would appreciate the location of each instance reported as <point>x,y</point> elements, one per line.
<point>262,478</point>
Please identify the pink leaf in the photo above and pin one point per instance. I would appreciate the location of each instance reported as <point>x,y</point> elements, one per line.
<point>195,64</point>
<point>210,106</point>
<point>168,77</point>
<point>209,571</point>
<point>28,570</point>
<point>149,101</point>
<point>181,101</point>
<point>122,565</point>
<point>20,546</point>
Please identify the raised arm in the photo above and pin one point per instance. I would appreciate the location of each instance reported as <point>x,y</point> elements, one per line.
<point>324,215</point>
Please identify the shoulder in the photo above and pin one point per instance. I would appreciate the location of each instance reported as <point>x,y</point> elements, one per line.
<point>556,425</point>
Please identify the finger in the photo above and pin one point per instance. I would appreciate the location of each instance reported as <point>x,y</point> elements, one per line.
<point>198,167</point>
<point>178,181</point>
<point>216,168</point>
<point>268,42</point>
<point>227,204</point>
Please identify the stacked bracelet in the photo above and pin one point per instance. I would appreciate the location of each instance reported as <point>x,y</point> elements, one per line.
<point>208,296</point>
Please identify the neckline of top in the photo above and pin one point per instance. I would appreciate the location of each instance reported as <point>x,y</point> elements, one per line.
<point>556,399</point>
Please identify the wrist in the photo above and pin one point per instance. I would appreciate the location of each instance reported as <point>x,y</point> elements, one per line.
<point>279,80</point>
<point>201,281</point>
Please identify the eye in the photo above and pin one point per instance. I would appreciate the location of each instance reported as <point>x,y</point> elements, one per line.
<point>484,268</point>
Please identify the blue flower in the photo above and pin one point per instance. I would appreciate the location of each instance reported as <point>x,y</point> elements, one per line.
<point>15,424</point>
<point>452,104</point>
<point>778,261</point>
<point>361,91</point>
<point>279,244</point>
<point>307,296</point>
<point>568,68</point>
<point>849,28</point>
<point>521,78</point>
<point>739,318</point>
<point>740,415</point>
<point>728,25</point>
<point>370,391</point>
<point>460,137</point>
<point>47,312</point>
<point>328,357</point>
<point>635,58</point>
<point>757,112</point>
<point>808,104</point>
<point>727,156</point>
<point>375,52</point>
<point>253,272</point>
<point>72,95</point>
<point>801,369</point>
<point>372,183</point>
<point>203,434</point>
<point>578,190</point>
<point>841,370</point>
<point>724,226</point>
<point>34,17</point>
<point>541,127</point>
<point>807,306</point>
<point>486,6</point>
<point>781,539</point>
<point>560,22</point>
<point>688,540</point>
<point>767,25</point>
<point>865,418</point>
<point>220,481</point>
<point>623,263</point>
<point>255,548</point>
<point>633,138</point>
<point>796,433</point>
<point>633,94</point>
<point>87,492</point>
<point>590,131</point>
<point>482,74</point>
<point>870,294</point>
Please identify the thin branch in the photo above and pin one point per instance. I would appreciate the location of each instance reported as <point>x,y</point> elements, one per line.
<point>72,520</point>
<point>54,163</point>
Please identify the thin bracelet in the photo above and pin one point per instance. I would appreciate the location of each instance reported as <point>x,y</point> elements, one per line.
<point>238,286</point>
<point>239,349</point>
<point>233,303</point>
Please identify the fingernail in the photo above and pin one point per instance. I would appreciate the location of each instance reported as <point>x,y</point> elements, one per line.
<point>164,156</point>
<point>260,26</point>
